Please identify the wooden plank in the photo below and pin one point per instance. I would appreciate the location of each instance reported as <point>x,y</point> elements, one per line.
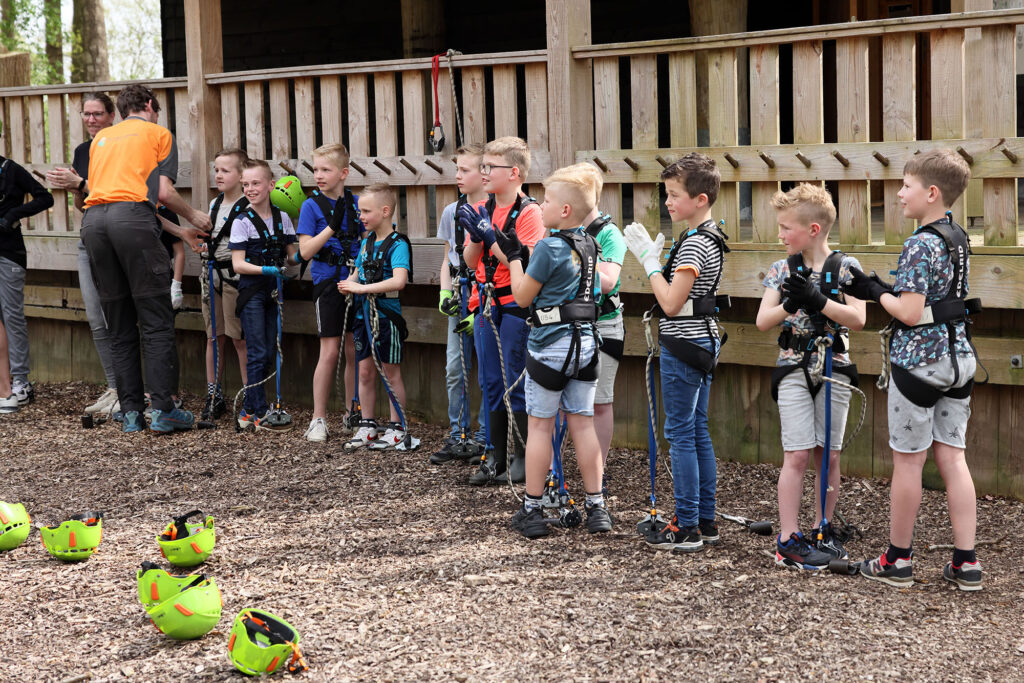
<point>506,104</point>
<point>443,196</point>
<point>608,127</point>
<point>682,93</point>
<point>230,123</point>
<point>358,115</point>
<point>537,106</point>
<point>305,118</point>
<point>55,124</point>
<point>280,120</point>
<point>255,131</point>
<point>37,150</point>
<point>999,118</point>
<point>15,129</point>
<point>854,206</point>
<point>330,110</point>
<point>76,125</point>
<point>414,118</point>
<point>474,102</point>
<point>808,102</point>
<point>181,126</point>
<point>947,84</point>
<point>644,97</point>
<point>764,130</point>
<point>204,54</point>
<point>164,97</point>
<point>723,127</point>
<point>446,108</point>
<point>570,82</point>
<point>899,120</point>
<point>385,106</point>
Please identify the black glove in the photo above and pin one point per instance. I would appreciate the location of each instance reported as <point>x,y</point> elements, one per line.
<point>511,247</point>
<point>8,225</point>
<point>866,287</point>
<point>790,306</point>
<point>804,293</point>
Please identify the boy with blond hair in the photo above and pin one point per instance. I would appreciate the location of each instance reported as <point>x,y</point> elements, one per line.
<point>932,367</point>
<point>329,232</point>
<point>802,294</point>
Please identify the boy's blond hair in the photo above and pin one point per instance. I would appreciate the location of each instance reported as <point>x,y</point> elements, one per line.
<point>594,177</point>
<point>474,149</point>
<point>579,185</point>
<point>810,202</point>
<point>943,168</point>
<point>239,154</point>
<point>384,192</point>
<point>258,163</point>
<point>336,153</point>
<point>514,151</point>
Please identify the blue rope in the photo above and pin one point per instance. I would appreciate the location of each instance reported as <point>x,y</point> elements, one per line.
<point>827,448</point>
<point>557,438</point>
<point>213,321</point>
<point>652,434</point>
<point>485,404</point>
<point>367,312</point>
<point>464,413</point>
<point>280,297</point>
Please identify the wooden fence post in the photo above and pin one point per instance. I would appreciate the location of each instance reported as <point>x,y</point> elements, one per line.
<point>570,81</point>
<point>205,55</point>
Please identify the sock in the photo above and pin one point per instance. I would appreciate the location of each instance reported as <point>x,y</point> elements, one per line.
<point>595,499</point>
<point>894,553</point>
<point>961,556</point>
<point>211,388</point>
<point>531,503</point>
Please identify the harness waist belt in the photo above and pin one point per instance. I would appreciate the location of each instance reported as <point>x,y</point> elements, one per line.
<point>945,311</point>
<point>702,307</point>
<point>554,380</point>
<point>791,342</point>
<point>566,313</point>
<point>923,394</point>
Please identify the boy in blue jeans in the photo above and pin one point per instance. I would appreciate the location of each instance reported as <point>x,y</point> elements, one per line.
<point>686,289</point>
<point>932,368</point>
<point>262,241</point>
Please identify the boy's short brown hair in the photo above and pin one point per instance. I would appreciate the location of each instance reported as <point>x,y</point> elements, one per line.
<point>258,163</point>
<point>239,154</point>
<point>943,168</point>
<point>385,192</point>
<point>335,152</point>
<point>811,202</point>
<point>514,151</point>
<point>475,149</point>
<point>697,173</point>
<point>579,182</point>
<point>133,99</point>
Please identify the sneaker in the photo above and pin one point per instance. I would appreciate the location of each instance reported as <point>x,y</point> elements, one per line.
<point>709,532</point>
<point>132,422</point>
<point>392,436</point>
<point>530,523</point>
<point>899,573</point>
<point>166,421</point>
<point>23,391</point>
<point>445,454</point>
<point>599,520</point>
<point>967,576</point>
<point>671,537</point>
<point>828,543</point>
<point>317,430</point>
<point>797,552</point>
<point>274,421</point>
<point>365,434</point>
<point>9,405</point>
<point>214,407</point>
<point>104,403</point>
<point>245,420</point>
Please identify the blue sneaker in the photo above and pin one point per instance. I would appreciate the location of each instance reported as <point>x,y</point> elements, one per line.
<point>132,422</point>
<point>165,421</point>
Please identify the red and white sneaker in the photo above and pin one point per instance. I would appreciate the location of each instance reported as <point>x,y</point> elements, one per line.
<point>392,436</point>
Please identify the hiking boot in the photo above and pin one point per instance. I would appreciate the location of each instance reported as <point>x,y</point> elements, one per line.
<point>245,420</point>
<point>517,468</point>
<point>22,391</point>
<point>132,422</point>
<point>274,421</point>
<point>828,543</point>
<point>530,523</point>
<point>488,472</point>
<point>671,537</point>
<point>445,454</point>
<point>104,404</point>
<point>317,430</point>
<point>391,437</point>
<point>166,421</point>
<point>364,436</point>
<point>214,407</point>
<point>797,552</point>
<point>899,573</point>
<point>9,405</point>
<point>709,532</point>
<point>967,576</point>
<point>599,520</point>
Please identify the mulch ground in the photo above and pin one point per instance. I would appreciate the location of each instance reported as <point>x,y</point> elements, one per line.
<point>393,569</point>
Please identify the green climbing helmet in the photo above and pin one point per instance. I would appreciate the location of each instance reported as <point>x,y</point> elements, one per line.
<point>288,196</point>
<point>186,545</point>
<point>181,607</point>
<point>156,585</point>
<point>76,539</point>
<point>15,525</point>
<point>260,642</point>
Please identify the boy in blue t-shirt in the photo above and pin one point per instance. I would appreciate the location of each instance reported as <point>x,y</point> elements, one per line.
<point>383,268</point>
<point>329,235</point>
<point>560,286</point>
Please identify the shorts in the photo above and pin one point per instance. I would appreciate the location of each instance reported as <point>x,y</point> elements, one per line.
<point>913,428</point>
<point>227,322</point>
<point>607,366</point>
<point>330,308</point>
<point>577,398</point>
<point>796,405</point>
<point>389,341</point>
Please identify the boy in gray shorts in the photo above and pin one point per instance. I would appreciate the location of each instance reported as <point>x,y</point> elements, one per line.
<point>932,367</point>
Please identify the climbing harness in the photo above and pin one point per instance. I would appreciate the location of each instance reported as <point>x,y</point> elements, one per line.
<point>556,503</point>
<point>436,135</point>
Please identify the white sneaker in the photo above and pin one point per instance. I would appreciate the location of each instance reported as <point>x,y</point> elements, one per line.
<point>23,391</point>
<point>393,436</point>
<point>317,430</point>
<point>104,403</point>
<point>366,434</point>
<point>9,405</point>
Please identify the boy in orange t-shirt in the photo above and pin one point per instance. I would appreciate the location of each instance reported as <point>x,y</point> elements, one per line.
<point>505,167</point>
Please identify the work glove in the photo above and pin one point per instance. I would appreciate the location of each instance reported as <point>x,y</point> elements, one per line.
<point>274,271</point>
<point>477,224</point>
<point>177,298</point>
<point>511,246</point>
<point>466,324</point>
<point>448,305</point>
<point>803,293</point>
<point>7,225</point>
<point>866,287</point>
<point>646,250</point>
<point>790,306</point>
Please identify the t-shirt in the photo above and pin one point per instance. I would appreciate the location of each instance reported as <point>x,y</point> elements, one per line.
<point>311,222</point>
<point>556,266</point>
<point>699,254</point>
<point>126,161</point>
<point>446,231</point>
<point>800,321</point>
<point>398,256</point>
<point>80,160</point>
<point>220,224</point>
<point>529,228</point>
<point>245,237</point>
<point>15,183</point>
<point>925,268</point>
<point>613,250</point>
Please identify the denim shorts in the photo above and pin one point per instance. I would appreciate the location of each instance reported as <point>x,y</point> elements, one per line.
<point>803,416</point>
<point>577,398</point>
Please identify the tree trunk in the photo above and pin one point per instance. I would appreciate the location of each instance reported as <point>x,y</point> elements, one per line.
<point>89,58</point>
<point>54,41</point>
<point>7,19</point>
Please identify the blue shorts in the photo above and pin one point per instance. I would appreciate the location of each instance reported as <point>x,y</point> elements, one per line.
<point>577,398</point>
<point>389,341</point>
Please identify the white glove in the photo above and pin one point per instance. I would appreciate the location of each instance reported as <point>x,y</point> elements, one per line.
<point>646,250</point>
<point>177,298</point>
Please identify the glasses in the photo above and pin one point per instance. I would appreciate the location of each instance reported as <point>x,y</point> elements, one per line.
<point>93,114</point>
<point>485,169</point>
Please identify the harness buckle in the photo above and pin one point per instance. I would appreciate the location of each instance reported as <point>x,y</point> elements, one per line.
<point>436,138</point>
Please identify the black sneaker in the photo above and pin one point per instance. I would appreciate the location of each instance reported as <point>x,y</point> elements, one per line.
<point>214,408</point>
<point>709,532</point>
<point>824,539</point>
<point>445,454</point>
<point>967,576</point>
<point>899,573</point>
<point>599,519</point>
<point>797,552</point>
<point>671,537</point>
<point>530,523</point>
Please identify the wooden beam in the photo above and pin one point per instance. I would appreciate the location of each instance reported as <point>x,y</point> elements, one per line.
<point>999,118</point>
<point>764,130</point>
<point>570,81</point>
<point>853,116</point>
<point>899,120</point>
<point>204,54</point>
<point>947,102</point>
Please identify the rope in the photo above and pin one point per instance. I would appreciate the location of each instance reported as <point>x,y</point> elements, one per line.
<point>817,374</point>
<point>341,356</point>
<point>460,139</point>
<point>374,324</point>
<point>208,293</point>
<point>652,407</point>
<point>884,337</point>
<point>464,412</point>
<point>278,296</point>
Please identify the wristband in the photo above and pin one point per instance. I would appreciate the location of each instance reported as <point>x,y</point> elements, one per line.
<point>81,185</point>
